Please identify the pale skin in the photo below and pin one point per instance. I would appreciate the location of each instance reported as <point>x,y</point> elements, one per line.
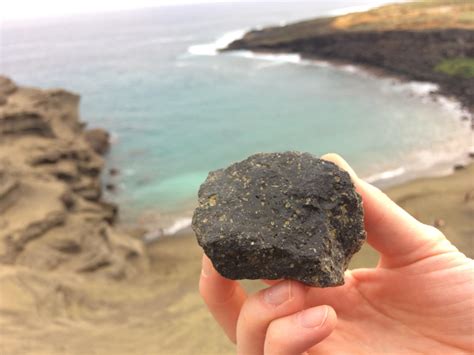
<point>418,300</point>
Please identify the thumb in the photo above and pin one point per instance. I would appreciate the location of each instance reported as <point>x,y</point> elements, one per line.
<point>296,333</point>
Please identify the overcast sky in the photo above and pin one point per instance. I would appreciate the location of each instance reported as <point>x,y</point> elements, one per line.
<point>19,9</point>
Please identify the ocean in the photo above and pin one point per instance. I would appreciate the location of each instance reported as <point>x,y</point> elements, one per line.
<point>177,108</point>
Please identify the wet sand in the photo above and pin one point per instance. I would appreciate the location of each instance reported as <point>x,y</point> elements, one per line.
<point>160,311</point>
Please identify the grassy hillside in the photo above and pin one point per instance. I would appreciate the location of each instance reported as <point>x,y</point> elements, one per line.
<point>419,15</point>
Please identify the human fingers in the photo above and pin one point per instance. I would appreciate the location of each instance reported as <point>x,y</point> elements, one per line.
<point>296,333</point>
<point>223,297</point>
<point>261,309</point>
<point>392,231</point>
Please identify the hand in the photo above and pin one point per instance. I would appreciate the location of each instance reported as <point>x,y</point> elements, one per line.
<point>419,299</point>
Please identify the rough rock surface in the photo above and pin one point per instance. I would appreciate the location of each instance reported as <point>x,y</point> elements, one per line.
<point>280,215</point>
<point>98,139</point>
<point>52,217</point>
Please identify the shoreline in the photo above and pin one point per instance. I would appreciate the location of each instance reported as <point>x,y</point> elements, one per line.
<point>367,40</point>
<point>179,222</point>
<point>435,94</point>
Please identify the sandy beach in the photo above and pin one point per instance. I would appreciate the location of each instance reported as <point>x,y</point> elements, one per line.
<point>160,311</point>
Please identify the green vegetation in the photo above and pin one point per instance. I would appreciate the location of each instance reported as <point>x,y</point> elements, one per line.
<point>463,67</point>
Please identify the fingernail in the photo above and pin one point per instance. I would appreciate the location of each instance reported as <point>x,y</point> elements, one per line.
<point>207,267</point>
<point>313,317</point>
<point>278,294</point>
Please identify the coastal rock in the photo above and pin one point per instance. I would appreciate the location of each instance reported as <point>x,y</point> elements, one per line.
<point>280,215</point>
<point>9,189</point>
<point>7,86</point>
<point>98,139</point>
<point>52,216</point>
<point>24,123</point>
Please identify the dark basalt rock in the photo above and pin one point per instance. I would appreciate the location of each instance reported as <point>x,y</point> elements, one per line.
<point>280,215</point>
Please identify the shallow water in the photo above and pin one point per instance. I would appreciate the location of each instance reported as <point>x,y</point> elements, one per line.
<point>176,109</point>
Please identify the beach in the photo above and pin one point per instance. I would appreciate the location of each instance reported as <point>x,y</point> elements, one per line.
<point>96,251</point>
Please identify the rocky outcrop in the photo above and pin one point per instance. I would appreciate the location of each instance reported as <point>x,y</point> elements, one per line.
<point>24,122</point>
<point>98,139</point>
<point>52,216</point>
<point>411,54</point>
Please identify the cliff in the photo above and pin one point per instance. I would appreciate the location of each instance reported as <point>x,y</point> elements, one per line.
<point>52,216</point>
<point>424,41</point>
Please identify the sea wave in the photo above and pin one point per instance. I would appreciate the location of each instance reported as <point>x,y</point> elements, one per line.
<point>277,58</point>
<point>424,163</point>
<point>211,49</point>
<point>385,175</point>
<point>178,225</point>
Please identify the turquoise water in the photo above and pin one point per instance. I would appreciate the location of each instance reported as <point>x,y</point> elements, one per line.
<point>177,110</point>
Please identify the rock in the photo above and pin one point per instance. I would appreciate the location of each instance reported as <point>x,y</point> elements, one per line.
<point>65,170</point>
<point>24,123</point>
<point>468,196</point>
<point>68,200</point>
<point>17,241</point>
<point>114,171</point>
<point>52,216</point>
<point>88,188</point>
<point>280,215</point>
<point>92,166</point>
<point>9,190</point>
<point>7,86</point>
<point>110,187</point>
<point>98,139</point>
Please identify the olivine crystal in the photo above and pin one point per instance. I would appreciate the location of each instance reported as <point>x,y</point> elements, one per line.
<point>280,216</point>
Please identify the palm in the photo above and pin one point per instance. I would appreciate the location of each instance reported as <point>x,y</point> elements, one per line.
<point>404,309</point>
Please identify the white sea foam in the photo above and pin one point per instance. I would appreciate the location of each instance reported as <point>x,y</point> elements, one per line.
<point>213,48</point>
<point>178,225</point>
<point>430,91</point>
<point>418,88</point>
<point>271,57</point>
<point>156,232</point>
<point>114,138</point>
<point>389,174</point>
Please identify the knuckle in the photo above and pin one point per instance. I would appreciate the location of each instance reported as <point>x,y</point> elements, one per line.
<point>433,233</point>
